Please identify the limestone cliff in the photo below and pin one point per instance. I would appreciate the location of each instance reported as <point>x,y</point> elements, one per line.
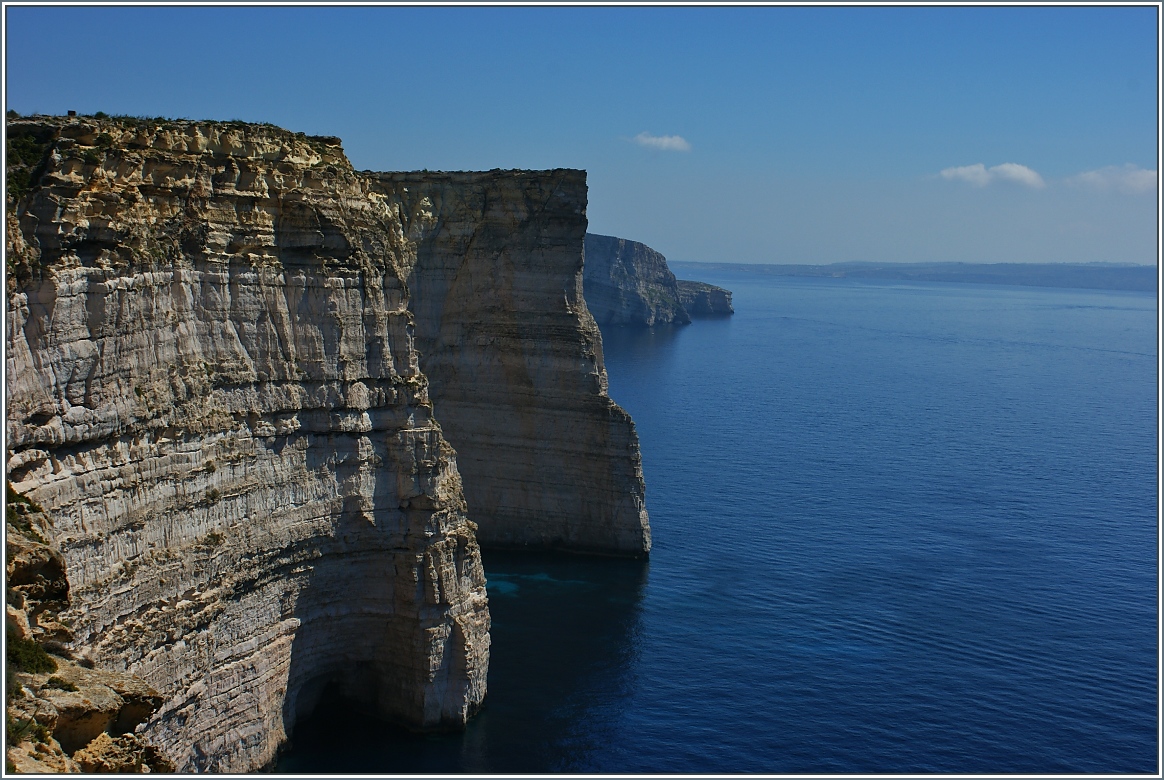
<point>628,283</point>
<point>705,300</point>
<point>214,392</point>
<point>227,352</point>
<point>515,359</point>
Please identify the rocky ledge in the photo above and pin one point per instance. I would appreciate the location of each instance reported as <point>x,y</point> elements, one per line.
<point>227,355</point>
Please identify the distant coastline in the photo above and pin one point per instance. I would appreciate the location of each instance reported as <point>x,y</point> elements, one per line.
<point>1096,276</point>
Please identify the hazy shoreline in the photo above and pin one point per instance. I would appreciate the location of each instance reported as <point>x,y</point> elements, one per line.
<point>1097,276</point>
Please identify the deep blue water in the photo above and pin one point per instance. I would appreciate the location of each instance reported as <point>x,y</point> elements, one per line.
<point>898,527</point>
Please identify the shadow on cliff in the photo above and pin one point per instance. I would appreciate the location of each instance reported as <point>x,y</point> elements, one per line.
<point>565,647</point>
<point>351,643</point>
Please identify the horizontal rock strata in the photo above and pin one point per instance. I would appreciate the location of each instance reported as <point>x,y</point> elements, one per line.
<point>216,394</point>
<point>628,283</point>
<point>213,390</point>
<point>515,359</point>
<point>705,300</point>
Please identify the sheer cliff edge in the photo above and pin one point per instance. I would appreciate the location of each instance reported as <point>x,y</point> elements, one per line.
<point>227,355</point>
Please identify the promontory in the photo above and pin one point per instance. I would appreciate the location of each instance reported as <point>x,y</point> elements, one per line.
<point>263,411</point>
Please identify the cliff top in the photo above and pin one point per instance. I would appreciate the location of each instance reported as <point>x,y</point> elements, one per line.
<point>32,138</point>
<point>159,124</point>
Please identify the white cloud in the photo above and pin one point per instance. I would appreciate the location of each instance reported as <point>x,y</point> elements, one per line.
<point>667,143</point>
<point>1019,173</point>
<point>975,174</point>
<point>1127,178</point>
<point>979,175</point>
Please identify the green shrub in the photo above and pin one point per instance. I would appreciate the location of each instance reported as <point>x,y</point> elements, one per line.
<point>25,155</point>
<point>14,690</point>
<point>60,684</point>
<point>25,150</point>
<point>14,498</point>
<point>28,656</point>
<point>19,507</point>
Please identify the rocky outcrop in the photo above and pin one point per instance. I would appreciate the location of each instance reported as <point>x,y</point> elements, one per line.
<point>705,300</point>
<point>55,708</point>
<point>628,283</point>
<point>515,359</point>
<point>120,755</point>
<point>76,719</point>
<point>214,391</point>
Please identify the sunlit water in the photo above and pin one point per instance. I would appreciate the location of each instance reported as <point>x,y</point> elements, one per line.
<point>898,528</point>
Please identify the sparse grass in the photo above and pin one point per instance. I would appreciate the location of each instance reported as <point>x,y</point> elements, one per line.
<point>17,731</point>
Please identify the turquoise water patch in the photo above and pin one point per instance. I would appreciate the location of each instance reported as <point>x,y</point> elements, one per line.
<point>498,586</point>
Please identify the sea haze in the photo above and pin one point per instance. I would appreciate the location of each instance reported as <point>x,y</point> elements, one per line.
<point>899,527</point>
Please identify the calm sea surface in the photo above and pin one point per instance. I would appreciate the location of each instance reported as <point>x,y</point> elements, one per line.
<point>898,527</point>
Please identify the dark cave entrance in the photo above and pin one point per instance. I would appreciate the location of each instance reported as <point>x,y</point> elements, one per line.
<point>328,714</point>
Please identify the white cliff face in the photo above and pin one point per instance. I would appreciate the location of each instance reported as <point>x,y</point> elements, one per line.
<point>216,394</point>
<point>515,359</point>
<point>213,390</point>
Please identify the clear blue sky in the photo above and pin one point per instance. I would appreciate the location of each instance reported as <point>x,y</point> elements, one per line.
<point>805,135</point>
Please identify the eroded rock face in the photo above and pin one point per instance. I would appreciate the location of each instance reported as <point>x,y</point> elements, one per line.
<point>628,283</point>
<point>213,390</point>
<point>701,299</point>
<point>120,755</point>
<point>515,359</point>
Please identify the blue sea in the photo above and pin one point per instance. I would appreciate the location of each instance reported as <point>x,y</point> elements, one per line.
<point>898,527</point>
